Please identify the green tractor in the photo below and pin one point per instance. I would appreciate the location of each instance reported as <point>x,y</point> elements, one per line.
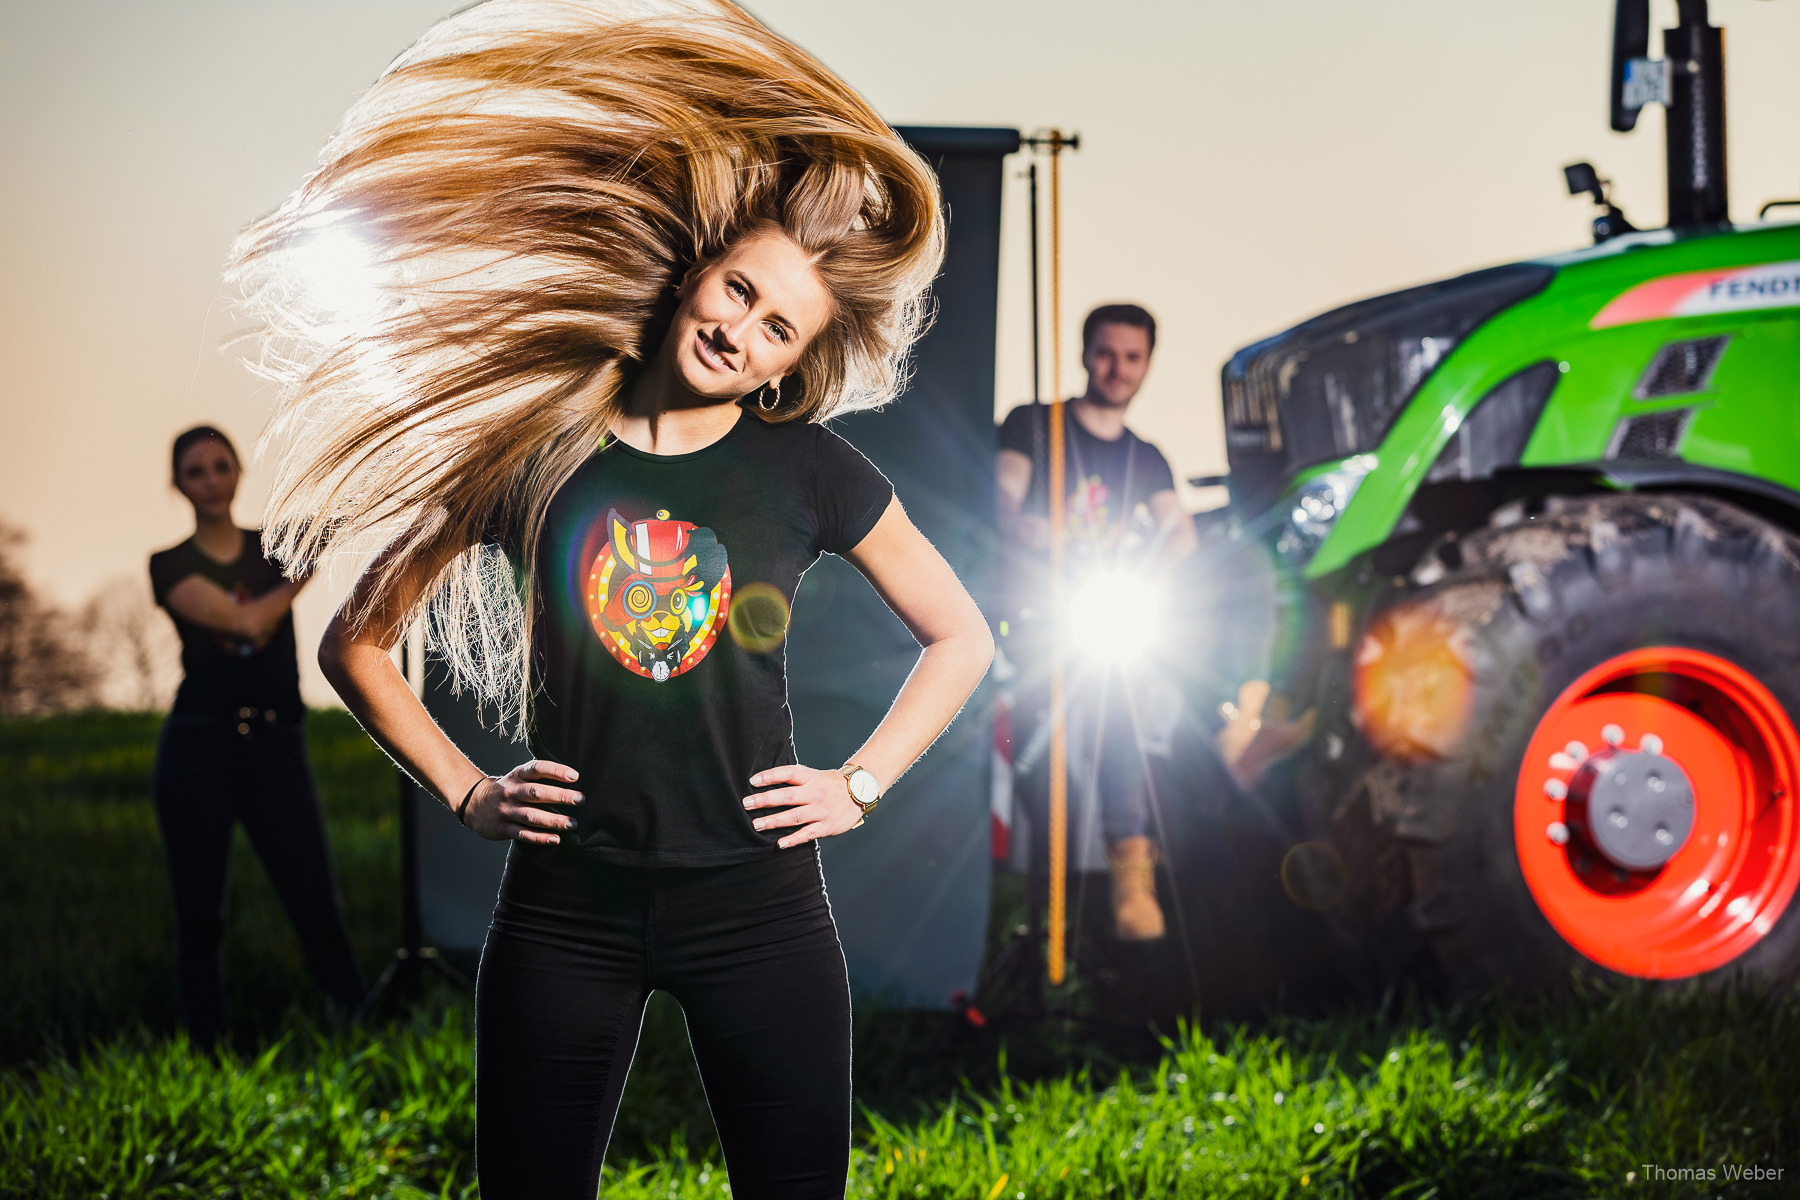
<point>1541,525</point>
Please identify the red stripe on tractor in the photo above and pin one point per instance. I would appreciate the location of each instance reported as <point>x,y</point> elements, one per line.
<point>1656,299</point>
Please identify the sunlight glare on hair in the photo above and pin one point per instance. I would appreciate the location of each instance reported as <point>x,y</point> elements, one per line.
<point>338,273</point>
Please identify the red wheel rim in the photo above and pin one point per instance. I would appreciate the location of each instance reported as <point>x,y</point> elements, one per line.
<point>1729,881</point>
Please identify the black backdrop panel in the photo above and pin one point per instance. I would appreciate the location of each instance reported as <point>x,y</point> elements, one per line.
<point>459,873</point>
<point>910,889</point>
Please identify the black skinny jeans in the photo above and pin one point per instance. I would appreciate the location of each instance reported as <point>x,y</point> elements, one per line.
<point>750,953</point>
<point>210,775</point>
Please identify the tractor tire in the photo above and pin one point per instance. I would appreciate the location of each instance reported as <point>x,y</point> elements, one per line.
<point>1489,755</point>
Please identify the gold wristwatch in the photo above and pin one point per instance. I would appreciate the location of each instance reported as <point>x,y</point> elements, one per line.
<point>865,789</point>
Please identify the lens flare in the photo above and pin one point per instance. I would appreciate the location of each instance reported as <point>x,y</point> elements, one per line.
<point>1413,688</point>
<point>1115,614</point>
<point>759,618</point>
<point>1314,876</point>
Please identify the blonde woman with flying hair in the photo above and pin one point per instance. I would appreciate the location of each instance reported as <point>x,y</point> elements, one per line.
<point>606,270</point>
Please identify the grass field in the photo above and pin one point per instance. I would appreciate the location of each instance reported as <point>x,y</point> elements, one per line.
<point>98,1097</point>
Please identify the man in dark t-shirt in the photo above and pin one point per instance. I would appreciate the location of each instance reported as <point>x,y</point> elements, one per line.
<point>1123,520</point>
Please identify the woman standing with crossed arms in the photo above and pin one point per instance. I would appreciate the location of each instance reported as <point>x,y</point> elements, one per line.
<point>621,270</point>
<point>233,749</point>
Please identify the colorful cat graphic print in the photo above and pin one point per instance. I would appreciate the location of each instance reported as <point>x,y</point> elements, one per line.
<point>658,593</point>
<point>1095,529</point>
<point>1090,514</point>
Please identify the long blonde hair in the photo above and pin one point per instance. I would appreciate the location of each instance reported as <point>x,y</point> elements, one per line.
<point>504,217</point>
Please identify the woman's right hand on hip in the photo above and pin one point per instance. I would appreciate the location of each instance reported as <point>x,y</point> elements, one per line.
<point>510,808</point>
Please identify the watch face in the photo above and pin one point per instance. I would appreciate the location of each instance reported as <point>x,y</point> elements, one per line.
<point>864,788</point>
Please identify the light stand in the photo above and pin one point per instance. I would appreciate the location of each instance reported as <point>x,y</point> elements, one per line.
<point>1015,966</point>
<point>1056,951</point>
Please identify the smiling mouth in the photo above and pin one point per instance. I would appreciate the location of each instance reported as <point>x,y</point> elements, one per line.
<point>708,355</point>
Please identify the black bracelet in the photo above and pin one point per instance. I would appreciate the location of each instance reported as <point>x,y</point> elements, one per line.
<point>468,796</point>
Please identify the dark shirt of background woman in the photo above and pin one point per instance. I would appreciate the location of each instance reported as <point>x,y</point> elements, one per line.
<point>225,674</point>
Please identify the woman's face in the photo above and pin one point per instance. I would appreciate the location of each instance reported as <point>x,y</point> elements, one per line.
<point>208,476</point>
<point>745,318</point>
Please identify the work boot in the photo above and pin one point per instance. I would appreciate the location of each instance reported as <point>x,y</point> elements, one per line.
<point>1136,914</point>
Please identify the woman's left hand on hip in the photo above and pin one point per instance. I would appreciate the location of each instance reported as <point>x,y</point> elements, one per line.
<point>817,802</point>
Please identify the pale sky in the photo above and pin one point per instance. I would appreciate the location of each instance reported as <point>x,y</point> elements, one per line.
<point>1244,165</point>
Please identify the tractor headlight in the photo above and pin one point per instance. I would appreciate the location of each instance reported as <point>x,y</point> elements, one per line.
<point>1316,505</point>
<point>1334,386</point>
<point>1114,613</point>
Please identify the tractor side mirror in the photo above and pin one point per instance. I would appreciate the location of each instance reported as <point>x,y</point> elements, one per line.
<point>1582,178</point>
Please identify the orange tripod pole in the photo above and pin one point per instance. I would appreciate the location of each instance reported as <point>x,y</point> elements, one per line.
<point>1059,745</point>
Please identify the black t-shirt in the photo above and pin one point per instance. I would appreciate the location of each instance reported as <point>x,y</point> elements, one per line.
<point>1107,508</point>
<point>660,653</point>
<point>223,675</point>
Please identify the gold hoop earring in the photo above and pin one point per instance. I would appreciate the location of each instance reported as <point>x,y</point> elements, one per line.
<point>764,392</point>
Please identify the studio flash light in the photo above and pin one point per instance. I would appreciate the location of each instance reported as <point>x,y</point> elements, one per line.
<point>1115,613</point>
